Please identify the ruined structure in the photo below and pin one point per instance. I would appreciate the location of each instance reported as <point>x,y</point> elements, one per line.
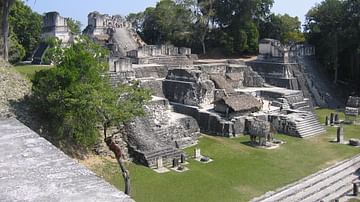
<point>352,109</point>
<point>226,98</point>
<point>54,25</point>
<point>284,66</point>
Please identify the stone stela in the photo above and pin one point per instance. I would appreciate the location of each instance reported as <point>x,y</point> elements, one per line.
<point>160,163</point>
<point>340,135</point>
<point>197,153</point>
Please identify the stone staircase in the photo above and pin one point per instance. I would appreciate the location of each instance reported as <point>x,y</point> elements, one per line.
<point>307,125</point>
<point>167,154</point>
<point>326,185</point>
<point>39,53</point>
<point>298,102</point>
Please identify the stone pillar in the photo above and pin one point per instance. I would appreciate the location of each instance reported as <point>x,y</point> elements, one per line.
<point>355,189</point>
<point>197,153</point>
<point>340,135</point>
<point>326,121</point>
<point>183,158</point>
<point>160,163</point>
<point>175,162</point>
<point>336,118</point>
<point>332,118</point>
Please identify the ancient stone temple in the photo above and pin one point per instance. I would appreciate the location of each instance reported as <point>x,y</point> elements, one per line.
<point>286,66</point>
<point>226,98</point>
<point>114,32</point>
<point>54,25</point>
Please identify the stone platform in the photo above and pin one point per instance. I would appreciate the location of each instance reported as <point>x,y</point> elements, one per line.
<point>329,184</point>
<point>32,169</point>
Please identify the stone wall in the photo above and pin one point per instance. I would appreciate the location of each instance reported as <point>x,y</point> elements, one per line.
<point>160,132</point>
<point>55,25</point>
<point>190,87</point>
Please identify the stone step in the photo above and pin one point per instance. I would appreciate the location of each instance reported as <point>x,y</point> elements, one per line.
<point>330,188</point>
<point>332,173</point>
<point>165,152</point>
<point>345,175</point>
<point>311,133</point>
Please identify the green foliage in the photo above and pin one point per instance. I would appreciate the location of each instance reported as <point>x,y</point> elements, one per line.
<point>76,97</point>
<point>168,22</point>
<point>333,27</point>
<point>285,28</point>
<point>74,26</point>
<point>54,53</point>
<point>16,51</point>
<point>26,26</point>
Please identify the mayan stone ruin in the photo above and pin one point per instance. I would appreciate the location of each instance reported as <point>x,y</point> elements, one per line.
<point>227,98</point>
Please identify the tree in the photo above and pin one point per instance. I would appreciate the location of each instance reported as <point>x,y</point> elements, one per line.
<point>26,26</point>
<point>74,26</point>
<point>323,26</point>
<point>168,22</point>
<point>77,99</point>
<point>6,5</point>
<point>285,28</point>
<point>203,11</point>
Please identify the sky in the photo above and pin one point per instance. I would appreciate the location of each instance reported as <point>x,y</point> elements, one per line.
<point>79,9</point>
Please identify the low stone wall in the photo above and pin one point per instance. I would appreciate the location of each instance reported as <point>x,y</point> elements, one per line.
<point>211,123</point>
<point>154,71</point>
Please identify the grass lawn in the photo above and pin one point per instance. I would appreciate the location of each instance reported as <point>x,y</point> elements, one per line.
<point>30,70</point>
<point>239,172</point>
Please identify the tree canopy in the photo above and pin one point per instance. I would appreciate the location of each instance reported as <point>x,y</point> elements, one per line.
<point>333,26</point>
<point>232,26</point>
<point>76,97</point>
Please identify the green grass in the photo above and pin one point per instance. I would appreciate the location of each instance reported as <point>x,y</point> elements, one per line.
<point>30,70</point>
<point>239,172</point>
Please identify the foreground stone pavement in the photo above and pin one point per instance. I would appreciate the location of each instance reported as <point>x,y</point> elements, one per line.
<point>32,169</point>
<point>326,185</point>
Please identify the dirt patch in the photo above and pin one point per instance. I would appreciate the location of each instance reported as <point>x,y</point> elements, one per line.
<point>92,161</point>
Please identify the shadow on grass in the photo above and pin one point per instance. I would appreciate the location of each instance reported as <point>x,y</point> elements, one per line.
<point>22,111</point>
<point>248,143</point>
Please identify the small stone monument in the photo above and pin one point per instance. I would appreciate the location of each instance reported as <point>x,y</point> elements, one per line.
<point>197,153</point>
<point>336,119</point>
<point>354,142</point>
<point>355,189</point>
<point>340,134</point>
<point>175,163</point>
<point>332,119</point>
<point>326,121</point>
<point>159,163</point>
<point>183,158</point>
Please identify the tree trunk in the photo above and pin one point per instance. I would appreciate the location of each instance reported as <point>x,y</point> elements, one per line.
<point>336,65</point>
<point>118,154</point>
<point>5,27</point>
<point>203,45</point>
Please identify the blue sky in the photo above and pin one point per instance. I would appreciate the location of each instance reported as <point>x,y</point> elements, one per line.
<point>79,9</point>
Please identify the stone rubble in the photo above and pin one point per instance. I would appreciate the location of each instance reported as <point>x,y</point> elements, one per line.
<point>13,88</point>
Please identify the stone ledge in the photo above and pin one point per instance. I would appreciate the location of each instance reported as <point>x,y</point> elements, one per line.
<point>32,169</point>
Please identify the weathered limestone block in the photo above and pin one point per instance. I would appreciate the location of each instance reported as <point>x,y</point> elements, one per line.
<point>354,142</point>
<point>154,71</point>
<point>189,87</point>
<point>258,127</point>
<point>154,85</point>
<point>239,126</point>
